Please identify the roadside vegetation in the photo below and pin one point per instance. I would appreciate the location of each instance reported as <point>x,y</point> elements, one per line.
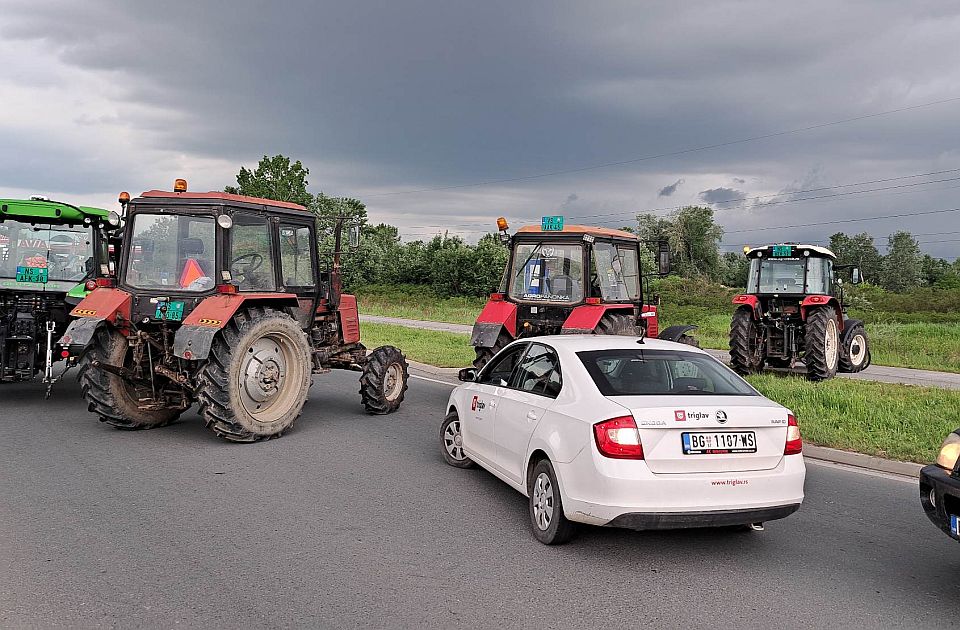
<point>887,420</point>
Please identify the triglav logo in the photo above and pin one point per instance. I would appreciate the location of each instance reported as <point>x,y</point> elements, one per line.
<point>680,415</point>
<point>477,404</point>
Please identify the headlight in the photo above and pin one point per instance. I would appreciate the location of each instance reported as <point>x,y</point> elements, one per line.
<point>949,452</point>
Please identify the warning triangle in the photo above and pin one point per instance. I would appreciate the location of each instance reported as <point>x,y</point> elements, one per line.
<point>191,272</point>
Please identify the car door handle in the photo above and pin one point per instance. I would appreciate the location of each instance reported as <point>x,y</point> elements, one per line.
<point>531,415</point>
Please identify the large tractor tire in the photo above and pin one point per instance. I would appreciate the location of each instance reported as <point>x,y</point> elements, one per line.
<point>822,344</point>
<point>255,381</point>
<point>114,399</point>
<point>485,354</point>
<point>617,324</point>
<point>746,343</point>
<point>856,352</point>
<point>384,380</point>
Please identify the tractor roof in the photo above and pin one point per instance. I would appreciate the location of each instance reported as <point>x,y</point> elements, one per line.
<point>579,229</point>
<point>46,210</point>
<point>813,249</point>
<point>222,197</point>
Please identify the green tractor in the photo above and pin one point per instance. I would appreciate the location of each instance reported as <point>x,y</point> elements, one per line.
<point>50,254</point>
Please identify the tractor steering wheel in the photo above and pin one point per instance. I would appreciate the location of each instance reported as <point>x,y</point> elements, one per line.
<point>255,262</point>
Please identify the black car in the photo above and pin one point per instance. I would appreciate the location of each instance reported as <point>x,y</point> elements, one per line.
<point>940,487</point>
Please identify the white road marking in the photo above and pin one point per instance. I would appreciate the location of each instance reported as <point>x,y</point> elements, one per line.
<point>433,380</point>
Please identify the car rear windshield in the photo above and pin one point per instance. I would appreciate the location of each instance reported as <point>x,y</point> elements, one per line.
<point>629,372</point>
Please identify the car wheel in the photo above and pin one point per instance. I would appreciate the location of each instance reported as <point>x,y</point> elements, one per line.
<point>451,442</point>
<point>549,524</point>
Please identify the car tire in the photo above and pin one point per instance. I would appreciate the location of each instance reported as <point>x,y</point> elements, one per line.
<point>547,520</point>
<point>451,442</point>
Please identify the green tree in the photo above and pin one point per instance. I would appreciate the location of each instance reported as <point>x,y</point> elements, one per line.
<point>858,250</point>
<point>902,266</point>
<point>328,209</point>
<point>694,239</point>
<point>735,268</point>
<point>274,178</point>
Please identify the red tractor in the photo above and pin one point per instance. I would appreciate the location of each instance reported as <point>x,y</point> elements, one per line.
<point>220,300</point>
<point>570,279</point>
<point>793,311</point>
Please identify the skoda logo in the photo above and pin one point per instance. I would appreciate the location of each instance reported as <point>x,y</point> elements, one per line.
<point>721,416</point>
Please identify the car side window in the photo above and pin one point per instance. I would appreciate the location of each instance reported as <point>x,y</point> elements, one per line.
<point>500,369</point>
<point>539,372</point>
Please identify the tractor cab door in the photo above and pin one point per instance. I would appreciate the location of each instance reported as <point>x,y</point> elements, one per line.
<point>298,265</point>
<point>615,272</point>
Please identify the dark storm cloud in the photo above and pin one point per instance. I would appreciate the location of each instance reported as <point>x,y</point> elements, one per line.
<point>379,97</point>
<point>666,191</point>
<point>721,195</point>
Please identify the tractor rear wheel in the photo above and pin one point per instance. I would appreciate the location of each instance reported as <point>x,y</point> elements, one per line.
<point>485,354</point>
<point>384,380</point>
<point>114,399</point>
<point>617,324</point>
<point>746,343</point>
<point>255,381</point>
<point>822,344</point>
<point>856,352</point>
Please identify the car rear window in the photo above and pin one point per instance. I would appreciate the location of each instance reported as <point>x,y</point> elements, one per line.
<point>628,372</point>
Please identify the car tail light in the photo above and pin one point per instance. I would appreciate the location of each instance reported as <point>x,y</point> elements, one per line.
<point>618,438</point>
<point>90,285</point>
<point>794,443</point>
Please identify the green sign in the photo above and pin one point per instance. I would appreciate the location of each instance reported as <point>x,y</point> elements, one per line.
<point>32,274</point>
<point>174,311</point>
<point>782,251</point>
<point>551,224</point>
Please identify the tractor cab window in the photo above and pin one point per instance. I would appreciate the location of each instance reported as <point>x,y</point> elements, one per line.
<point>176,252</point>
<point>547,272</point>
<point>296,262</point>
<point>614,272</point>
<point>44,253</point>
<point>251,262</point>
<point>819,272</point>
<point>790,275</point>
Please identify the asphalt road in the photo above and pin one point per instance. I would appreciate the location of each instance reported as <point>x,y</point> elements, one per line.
<point>355,521</point>
<point>880,373</point>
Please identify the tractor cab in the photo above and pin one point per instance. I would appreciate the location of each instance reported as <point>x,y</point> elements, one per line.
<point>563,278</point>
<point>791,270</point>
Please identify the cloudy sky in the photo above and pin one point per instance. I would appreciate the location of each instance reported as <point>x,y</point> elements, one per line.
<point>408,104</point>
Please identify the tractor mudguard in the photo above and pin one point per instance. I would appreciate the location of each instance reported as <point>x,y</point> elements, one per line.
<point>193,339</point>
<point>79,333</point>
<point>848,326</point>
<point>485,335</point>
<point>349,318</point>
<point>813,301</point>
<point>584,319</point>
<point>748,300</point>
<point>673,333</point>
<point>103,304</point>
<point>498,312</point>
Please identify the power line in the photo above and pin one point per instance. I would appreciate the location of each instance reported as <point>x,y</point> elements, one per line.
<point>837,221</point>
<point>645,158</point>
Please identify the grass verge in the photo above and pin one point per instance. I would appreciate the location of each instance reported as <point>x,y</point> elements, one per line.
<point>882,419</point>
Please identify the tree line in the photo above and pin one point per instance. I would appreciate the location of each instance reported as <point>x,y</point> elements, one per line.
<point>450,266</point>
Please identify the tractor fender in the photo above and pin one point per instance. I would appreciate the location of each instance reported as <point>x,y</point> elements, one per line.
<point>485,335</point>
<point>193,339</point>
<point>673,333</point>
<point>584,319</point>
<point>748,300</point>
<point>848,326</point>
<point>814,301</point>
<point>498,312</point>
<point>103,304</point>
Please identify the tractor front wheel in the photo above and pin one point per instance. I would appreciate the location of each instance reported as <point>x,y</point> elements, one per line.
<point>384,380</point>
<point>746,343</point>
<point>822,344</point>
<point>617,324</point>
<point>255,381</point>
<point>856,352</point>
<point>114,399</point>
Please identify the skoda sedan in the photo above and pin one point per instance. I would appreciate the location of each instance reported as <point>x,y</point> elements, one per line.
<point>625,432</point>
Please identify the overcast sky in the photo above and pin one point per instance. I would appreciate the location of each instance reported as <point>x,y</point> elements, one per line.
<point>378,98</point>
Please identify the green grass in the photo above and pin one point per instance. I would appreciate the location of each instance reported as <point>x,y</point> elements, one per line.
<point>897,339</point>
<point>893,421</point>
<point>882,419</point>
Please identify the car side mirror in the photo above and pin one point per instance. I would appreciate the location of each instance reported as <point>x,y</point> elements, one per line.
<point>855,276</point>
<point>663,258</point>
<point>467,375</point>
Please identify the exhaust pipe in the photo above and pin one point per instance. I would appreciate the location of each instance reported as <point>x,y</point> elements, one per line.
<point>757,527</point>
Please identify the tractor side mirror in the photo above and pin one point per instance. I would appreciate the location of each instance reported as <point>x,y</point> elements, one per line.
<point>354,236</point>
<point>467,375</point>
<point>663,258</point>
<point>855,276</point>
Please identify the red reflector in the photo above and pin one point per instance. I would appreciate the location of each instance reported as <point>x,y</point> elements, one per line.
<point>593,300</point>
<point>496,297</point>
<point>226,288</point>
<point>794,443</point>
<point>65,354</point>
<point>104,282</point>
<point>187,355</point>
<point>90,285</point>
<point>618,438</point>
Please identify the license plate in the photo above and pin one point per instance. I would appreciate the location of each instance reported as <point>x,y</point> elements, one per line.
<point>31,274</point>
<point>955,525</point>
<point>174,311</point>
<point>719,443</point>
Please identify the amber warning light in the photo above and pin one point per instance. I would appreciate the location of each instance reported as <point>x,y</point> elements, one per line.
<point>124,197</point>
<point>502,224</point>
<point>180,185</point>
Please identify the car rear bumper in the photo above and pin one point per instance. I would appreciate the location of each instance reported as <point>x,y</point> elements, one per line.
<point>946,491</point>
<point>717,518</point>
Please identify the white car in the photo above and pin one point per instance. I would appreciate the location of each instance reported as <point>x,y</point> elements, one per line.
<point>625,432</point>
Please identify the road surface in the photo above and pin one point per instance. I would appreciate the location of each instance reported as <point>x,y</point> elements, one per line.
<point>354,521</point>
